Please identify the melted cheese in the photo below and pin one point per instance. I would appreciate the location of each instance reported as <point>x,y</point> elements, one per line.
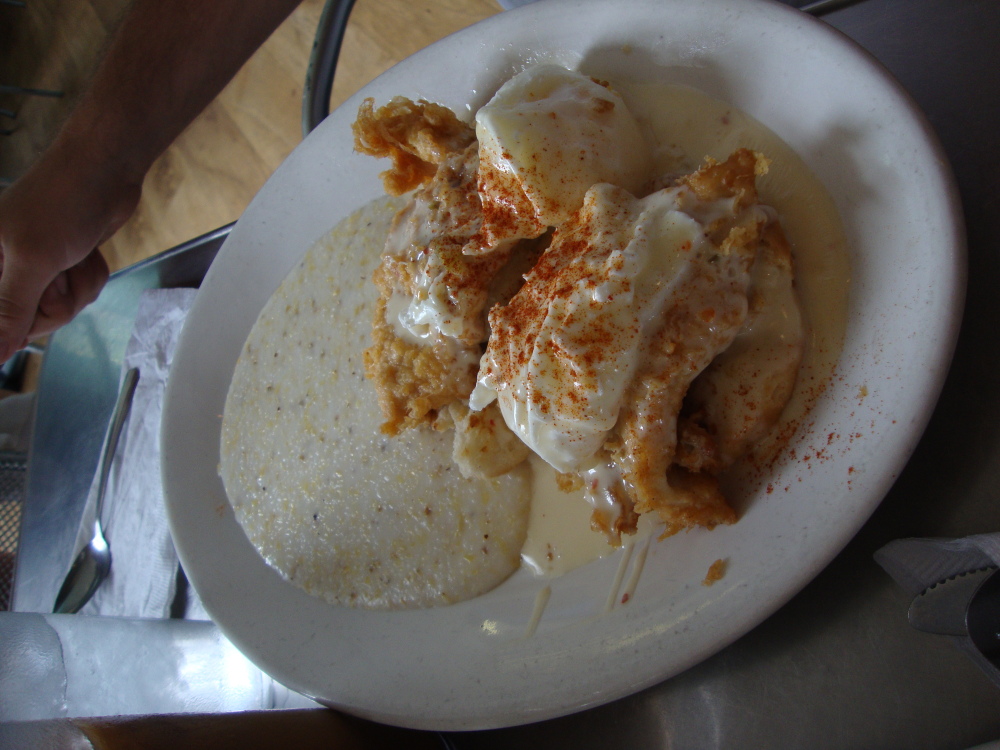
<point>545,138</point>
<point>564,351</point>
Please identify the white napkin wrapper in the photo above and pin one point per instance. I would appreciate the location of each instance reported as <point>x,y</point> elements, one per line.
<point>143,578</point>
<point>915,564</point>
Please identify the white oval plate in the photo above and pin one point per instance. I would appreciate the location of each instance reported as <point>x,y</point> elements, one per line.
<point>470,665</point>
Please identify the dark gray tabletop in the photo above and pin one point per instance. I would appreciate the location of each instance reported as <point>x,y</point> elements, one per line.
<point>838,666</point>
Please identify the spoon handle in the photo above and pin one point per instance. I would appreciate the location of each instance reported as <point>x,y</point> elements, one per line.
<point>93,562</point>
<point>118,417</point>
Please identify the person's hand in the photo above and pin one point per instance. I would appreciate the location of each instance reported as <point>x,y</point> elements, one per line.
<point>51,223</point>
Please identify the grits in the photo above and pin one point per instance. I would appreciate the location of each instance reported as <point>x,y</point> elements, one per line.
<point>335,506</point>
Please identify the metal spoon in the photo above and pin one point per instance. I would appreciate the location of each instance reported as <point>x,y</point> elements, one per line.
<point>93,563</point>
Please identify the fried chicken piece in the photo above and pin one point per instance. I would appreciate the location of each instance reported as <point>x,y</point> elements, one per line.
<point>430,317</point>
<point>740,397</point>
<point>417,136</point>
<point>416,377</point>
<point>644,442</point>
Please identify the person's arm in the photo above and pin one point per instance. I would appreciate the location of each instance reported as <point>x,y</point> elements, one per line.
<point>167,61</point>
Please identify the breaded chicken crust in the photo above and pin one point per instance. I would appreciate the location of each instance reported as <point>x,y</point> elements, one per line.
<point>416,136</point>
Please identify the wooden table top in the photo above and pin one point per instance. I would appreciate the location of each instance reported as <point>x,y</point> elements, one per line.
<point>219,163</point>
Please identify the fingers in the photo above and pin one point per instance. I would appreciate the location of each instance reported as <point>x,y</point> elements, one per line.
<point>51,219</point>
<point>20,291</point>
<point>68,293</point>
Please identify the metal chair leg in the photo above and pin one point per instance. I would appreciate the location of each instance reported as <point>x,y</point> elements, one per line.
<point>323,63</point>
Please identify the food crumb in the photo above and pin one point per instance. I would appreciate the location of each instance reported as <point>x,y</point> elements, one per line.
<point>715,572</point>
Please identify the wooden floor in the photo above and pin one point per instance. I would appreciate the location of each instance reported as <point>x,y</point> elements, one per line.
<point>212,171</point>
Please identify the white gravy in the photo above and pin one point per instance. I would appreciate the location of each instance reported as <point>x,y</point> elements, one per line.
<point>687,125</point>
